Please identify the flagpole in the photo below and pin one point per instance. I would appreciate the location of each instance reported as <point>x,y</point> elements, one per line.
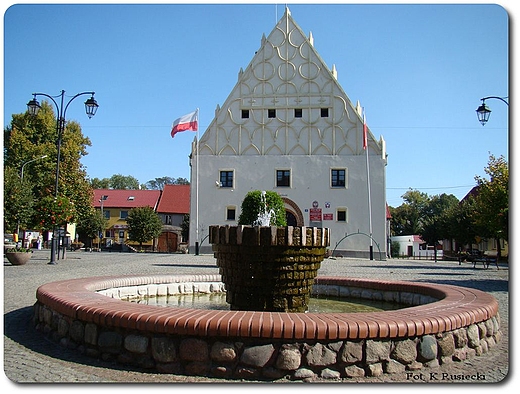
<point>197,191</point>
<point>368,188</point>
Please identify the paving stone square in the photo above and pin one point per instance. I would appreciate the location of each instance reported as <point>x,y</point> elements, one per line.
<point>31,358</point>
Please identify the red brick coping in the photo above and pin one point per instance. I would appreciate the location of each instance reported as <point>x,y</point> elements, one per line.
<point>455,307</point>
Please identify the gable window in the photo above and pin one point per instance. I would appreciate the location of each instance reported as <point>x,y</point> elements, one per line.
<point>271,113</point>
<point>106,214</point>
<point>226,178</point>
<point>338,177</point>
<point>298,112</point>
<point>283,178</point>
<point>324,112</point>
<point>168,219</point>
<point>245,114</point>
<point>123,214</point>
<point>231,213</point>
<point>341,214</point>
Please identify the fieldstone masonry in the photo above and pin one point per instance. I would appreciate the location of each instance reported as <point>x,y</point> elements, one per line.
<point>254,357</point>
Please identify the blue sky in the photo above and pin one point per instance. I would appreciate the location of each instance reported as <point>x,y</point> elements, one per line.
<point>419,71</point>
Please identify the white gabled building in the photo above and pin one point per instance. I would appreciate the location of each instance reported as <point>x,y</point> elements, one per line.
<point>288,126</point>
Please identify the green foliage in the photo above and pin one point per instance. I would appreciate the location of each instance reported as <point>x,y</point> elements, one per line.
<point>18,201</point>
<point>28,137</point>
<point>158,183</point>
<point>252,207</point>
<point>92,224</point>
<point>143,224</point>
<point>123,182</point>
<point>491,202</point>
<point>18,250</point>
<point>423,215</point>
<point>54,211</point>
<point>395,248</point>
<point>185,227</point>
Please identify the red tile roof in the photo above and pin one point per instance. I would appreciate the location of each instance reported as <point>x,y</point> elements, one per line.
<point>126,198</point>
<point>175,199</point>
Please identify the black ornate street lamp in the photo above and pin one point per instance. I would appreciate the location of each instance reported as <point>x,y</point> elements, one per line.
<point>483,110</point>
<point>33,106</point>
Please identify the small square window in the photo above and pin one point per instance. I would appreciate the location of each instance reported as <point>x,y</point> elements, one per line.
<point>226,178</point>
<point>271,113</point>
<point>123,214</point>
<point>341,214</point>
<point>298,112</point>
<point>231,213</point>
<point>337,178</point>
<point>324,112</point>
<point>245,114</point>
<point>283,177</point>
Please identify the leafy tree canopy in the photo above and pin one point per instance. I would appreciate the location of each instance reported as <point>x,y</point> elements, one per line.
<point>143,224</point>
<point>28,138</point>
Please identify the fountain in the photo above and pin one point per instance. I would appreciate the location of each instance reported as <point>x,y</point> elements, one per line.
<point>258,339</point>
<point>268,268</point>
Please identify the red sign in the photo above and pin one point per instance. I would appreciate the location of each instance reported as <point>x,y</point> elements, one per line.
<point>328,216</point>
<point>315,214</point>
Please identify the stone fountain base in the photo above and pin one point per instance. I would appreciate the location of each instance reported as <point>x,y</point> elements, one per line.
<point>269,268</point>
<point>439,324</point>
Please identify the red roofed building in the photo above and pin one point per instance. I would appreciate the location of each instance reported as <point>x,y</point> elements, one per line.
<point>171,204</point>
<point>115,205</point>
<point>174,204</point>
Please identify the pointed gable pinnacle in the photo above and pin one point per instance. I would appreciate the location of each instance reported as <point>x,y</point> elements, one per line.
<point>359,109</point>
<point>311,38</point>
<point>334,72</point>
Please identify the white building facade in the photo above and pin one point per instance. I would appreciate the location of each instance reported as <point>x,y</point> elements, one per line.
<point>289,127</point>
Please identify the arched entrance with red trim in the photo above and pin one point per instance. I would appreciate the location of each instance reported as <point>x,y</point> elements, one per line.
<point>293,213</point>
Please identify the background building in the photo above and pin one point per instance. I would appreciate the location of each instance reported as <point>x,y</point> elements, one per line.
<point>288,126</point>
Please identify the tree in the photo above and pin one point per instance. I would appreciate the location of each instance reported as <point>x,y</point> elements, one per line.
<point>143,225</point>
<point>123,182</point>
<point>185,227</point>
<point>491,201</point>
<point>28,137</point>
<point>433,219</point>
<point>406,219</point>
<point>97,183</point>
<point>92,225</point>
<point>458,222</point>
<point>158,183</point>
<point>18,201</point>
<point>253,206</point>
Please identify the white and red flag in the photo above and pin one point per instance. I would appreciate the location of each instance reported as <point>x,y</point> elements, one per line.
<point>186,122</point>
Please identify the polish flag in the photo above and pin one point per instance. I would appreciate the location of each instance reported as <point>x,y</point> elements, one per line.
<point>365,132</point>
<point>186,122</point>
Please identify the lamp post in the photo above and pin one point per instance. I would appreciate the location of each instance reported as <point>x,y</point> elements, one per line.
<point>30,161</point>
<point>33,107</point>
<point>483,110</point>
<point>21,181</point>
<point>101,200</point>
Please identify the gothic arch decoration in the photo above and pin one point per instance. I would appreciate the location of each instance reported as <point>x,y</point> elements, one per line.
<point>292,207</point>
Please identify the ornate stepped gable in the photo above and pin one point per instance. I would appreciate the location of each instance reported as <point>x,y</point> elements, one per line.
<point>287,102</point>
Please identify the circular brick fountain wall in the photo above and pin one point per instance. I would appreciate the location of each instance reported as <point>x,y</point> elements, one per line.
<point>437,324</point>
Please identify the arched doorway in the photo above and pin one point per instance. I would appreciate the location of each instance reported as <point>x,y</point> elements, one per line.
<point>293,213</point>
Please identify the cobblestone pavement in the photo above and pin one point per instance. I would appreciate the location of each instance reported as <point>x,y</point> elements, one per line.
<point>30,358</point>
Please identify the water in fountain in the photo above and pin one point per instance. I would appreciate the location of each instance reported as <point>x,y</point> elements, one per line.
<point>264,217</point>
